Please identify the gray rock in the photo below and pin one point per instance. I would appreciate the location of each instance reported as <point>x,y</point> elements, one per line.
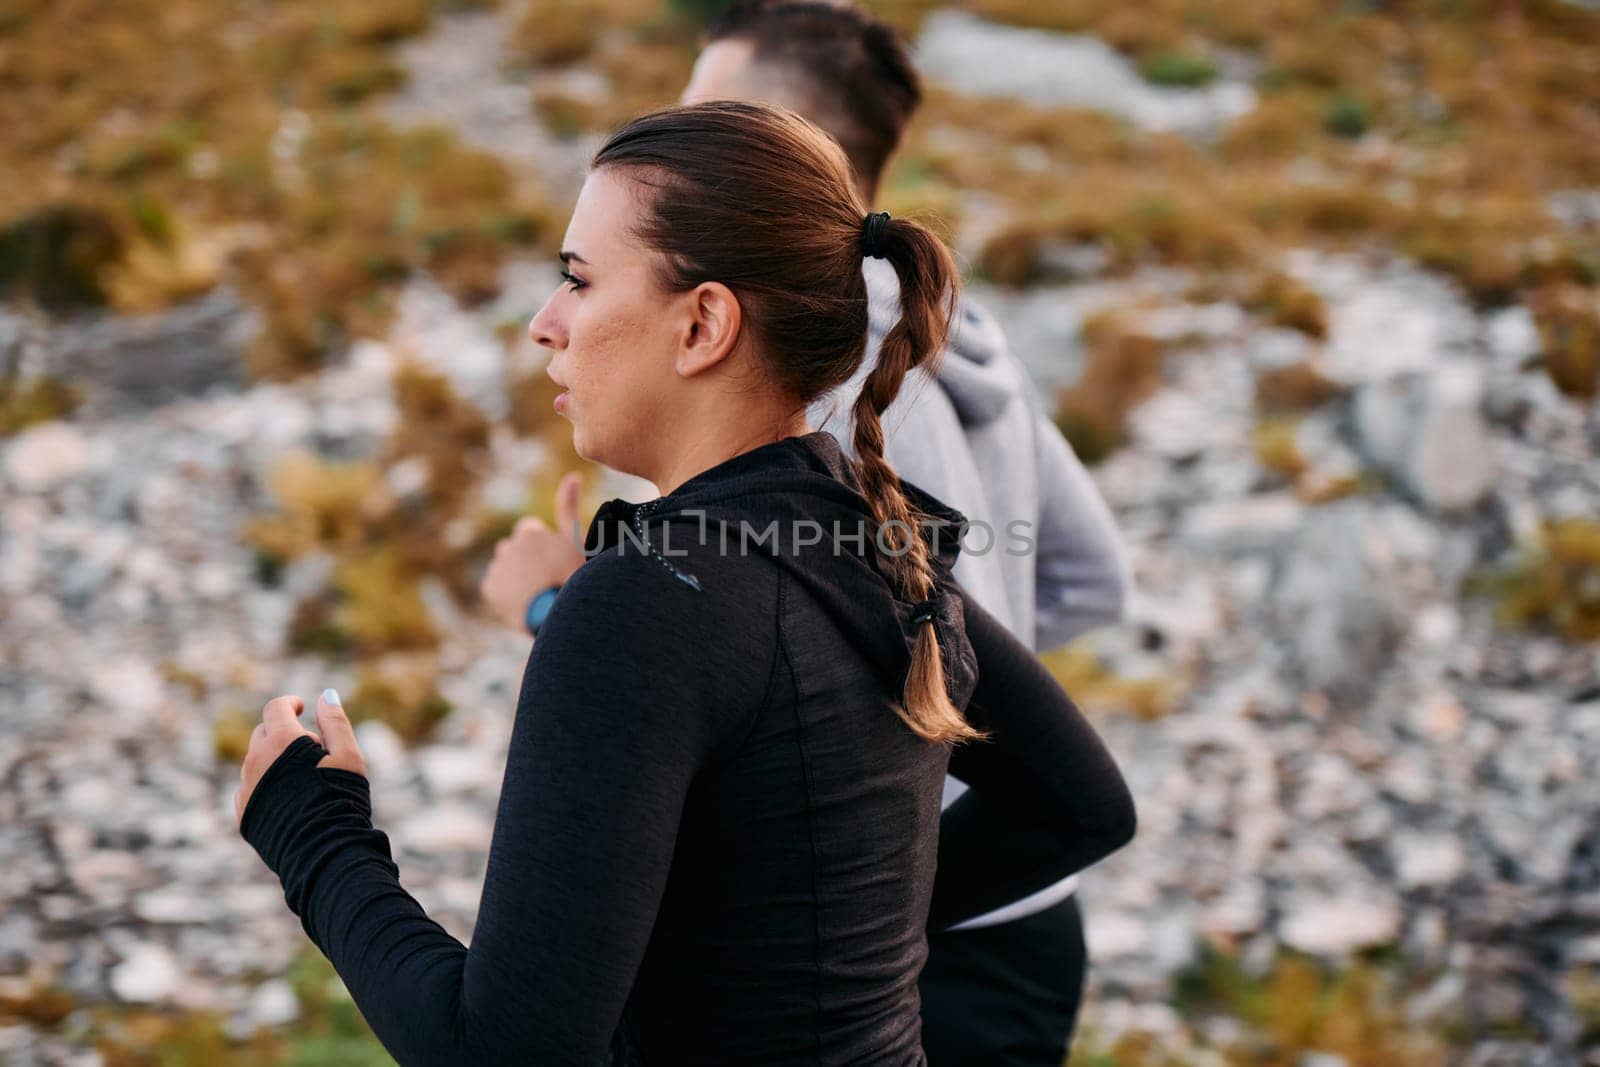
<point>1423,860</point>
<point>1576,208</point>
<point>1115,934</point>
<point>455,78</point>
<point>1430,434</point>
<point>1451,463</point>
<point>1273,348</point>
<point>43,456</point>
<point>432,327</point>
<point>1255,524</point>
<point>453,769</point>
<point>383,750</point>
<point>1336,926</point>
<point>148,974</point>
<point>448,827</point>
<point>1512,338</point>
<point>1061,70</point>
<point>1387,323</point>
<point>176,905</point>
<point>1321,1059</point>
<point>1176,426</point>
<point>128,364</point>
<point>19,939</point>
<point>127,685</point>
<point>273,1003</point>
<point>1335,602</point>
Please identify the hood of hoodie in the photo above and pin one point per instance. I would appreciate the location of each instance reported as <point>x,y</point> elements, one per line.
<point>805,485</point>
<point>978,382</point>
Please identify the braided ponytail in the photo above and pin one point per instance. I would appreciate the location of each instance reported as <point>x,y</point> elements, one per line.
<point>928,292</point>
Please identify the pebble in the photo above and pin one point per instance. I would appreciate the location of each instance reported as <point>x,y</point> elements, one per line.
<point>43,457</point>
<point>448,827</point>
<point>148,974</point>
<point>273,1003</point>
<point>1337,927</point>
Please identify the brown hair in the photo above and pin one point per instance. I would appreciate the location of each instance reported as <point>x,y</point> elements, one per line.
<point>854,68</point>
<point>759,199</point>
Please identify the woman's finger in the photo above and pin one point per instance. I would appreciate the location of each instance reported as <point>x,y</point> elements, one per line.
<point>339,736</point>
<point>253,745</point>
<point>282,712</point>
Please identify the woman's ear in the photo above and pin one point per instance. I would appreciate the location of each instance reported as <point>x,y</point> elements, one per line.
<point>711,329</point>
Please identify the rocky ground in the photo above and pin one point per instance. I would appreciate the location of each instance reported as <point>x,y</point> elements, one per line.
<point>1353,758</point>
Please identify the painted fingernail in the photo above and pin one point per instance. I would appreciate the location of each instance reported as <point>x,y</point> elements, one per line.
<point>331,697</point>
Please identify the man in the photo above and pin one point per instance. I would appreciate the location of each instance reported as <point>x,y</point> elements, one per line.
<point>1043,557</point>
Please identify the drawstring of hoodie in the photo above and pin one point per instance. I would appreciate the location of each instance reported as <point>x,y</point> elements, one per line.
<point>638,528</point>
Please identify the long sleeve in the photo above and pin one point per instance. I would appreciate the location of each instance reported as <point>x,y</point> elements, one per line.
<point>1082,574</point>
<point>1045,797</point>
<point>613,723</point>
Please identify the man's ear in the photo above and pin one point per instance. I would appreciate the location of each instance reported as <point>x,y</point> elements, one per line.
<point>710,328</point>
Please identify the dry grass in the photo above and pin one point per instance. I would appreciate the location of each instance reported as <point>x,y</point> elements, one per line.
<point>643,50</point>
<point>1436,131</point>
<point>154,149</point>
<point>1122,367</point>
<point>329,1029</point>
<point>1295,388</point>
<point>1283,301</point>
<point>1295,1010</point>
<point>1355,1012</point>
<point>35,400</point>
<point>1568,318</point>
<point>1553,584</point>
<point>400,528</point>
<point>1277,447</point>
<point>554,32</point>
<point>1100,691</point>
<point>401,691</point>
<point>386,540</point>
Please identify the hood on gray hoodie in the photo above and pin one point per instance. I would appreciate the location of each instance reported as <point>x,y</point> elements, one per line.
<point>979,384</point>
<point>805,490</point>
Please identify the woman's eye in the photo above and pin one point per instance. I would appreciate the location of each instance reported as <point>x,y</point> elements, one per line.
<point>576,282</point>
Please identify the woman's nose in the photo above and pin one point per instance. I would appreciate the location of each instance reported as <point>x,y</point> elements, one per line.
<point>546,328</point>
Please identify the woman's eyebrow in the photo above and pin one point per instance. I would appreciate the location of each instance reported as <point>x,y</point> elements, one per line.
<point>573,257</point>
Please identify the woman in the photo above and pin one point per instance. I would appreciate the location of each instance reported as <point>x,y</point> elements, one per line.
<point>716,835</point>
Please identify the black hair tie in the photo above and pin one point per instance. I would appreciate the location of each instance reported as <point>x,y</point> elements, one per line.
<point>872,233</point>
<point>924,611</point>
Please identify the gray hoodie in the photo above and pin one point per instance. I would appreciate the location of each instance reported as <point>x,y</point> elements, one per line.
<point>976,436</point>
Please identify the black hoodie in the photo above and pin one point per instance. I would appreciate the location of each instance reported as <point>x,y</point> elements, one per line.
<point>715,840</point>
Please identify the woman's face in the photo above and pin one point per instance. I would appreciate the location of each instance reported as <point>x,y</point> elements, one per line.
<point>613,331</point>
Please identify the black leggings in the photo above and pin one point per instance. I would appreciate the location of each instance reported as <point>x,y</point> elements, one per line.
<point>1005,995</point>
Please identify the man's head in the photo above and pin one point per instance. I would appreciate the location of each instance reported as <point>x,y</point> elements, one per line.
<point>840,67</point>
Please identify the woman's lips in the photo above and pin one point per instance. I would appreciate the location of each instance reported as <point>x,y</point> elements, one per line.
<point>561,401</point>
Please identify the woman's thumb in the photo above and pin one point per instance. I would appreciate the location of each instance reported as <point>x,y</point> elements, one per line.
<point>567,504</point>
<point>338,737</point>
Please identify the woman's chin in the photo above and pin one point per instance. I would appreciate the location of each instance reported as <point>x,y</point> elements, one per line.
<point>581,443</point>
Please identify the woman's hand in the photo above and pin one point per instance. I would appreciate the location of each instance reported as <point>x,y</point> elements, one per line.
<point>534,557</point>
<point>280,725</point>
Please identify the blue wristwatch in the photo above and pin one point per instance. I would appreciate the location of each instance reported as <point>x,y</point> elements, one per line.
<point>539,607</point>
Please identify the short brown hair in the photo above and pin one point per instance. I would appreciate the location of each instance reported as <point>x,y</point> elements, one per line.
<point>855,69</point>
<point>759,199</point>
